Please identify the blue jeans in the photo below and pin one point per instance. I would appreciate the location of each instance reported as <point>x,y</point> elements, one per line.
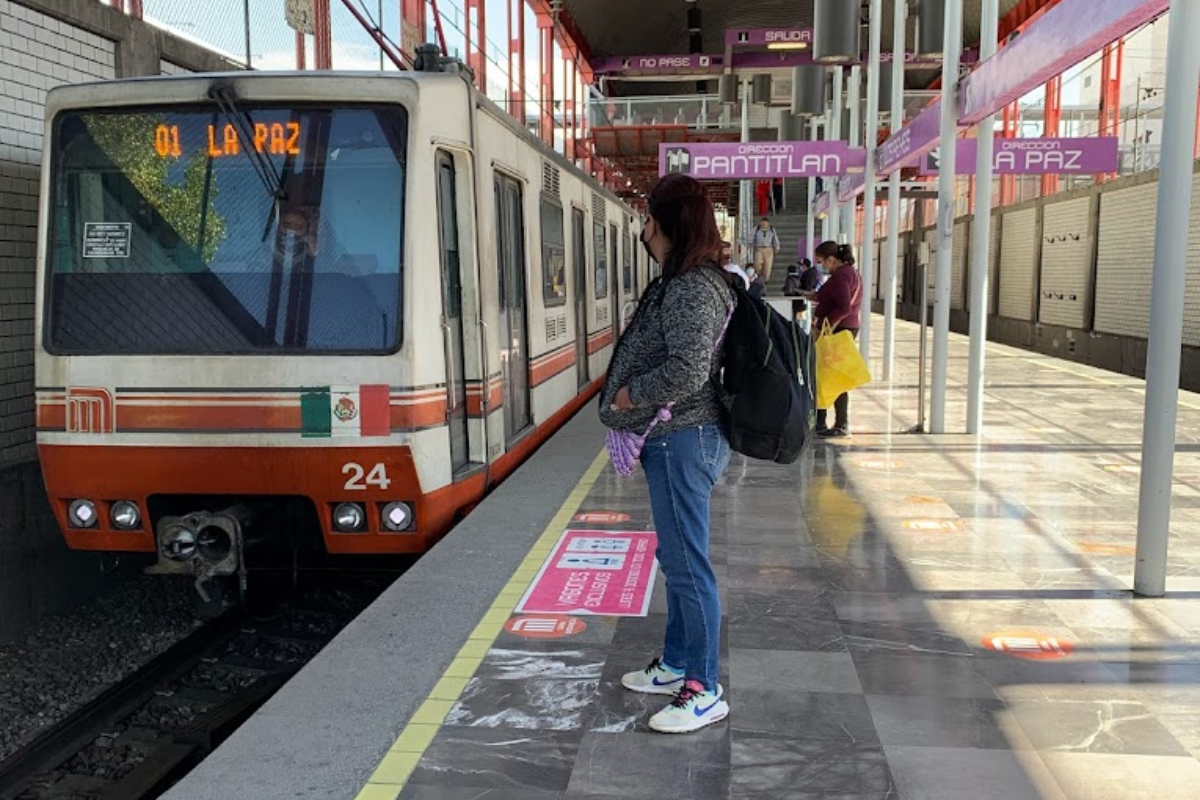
<point>682,469</point>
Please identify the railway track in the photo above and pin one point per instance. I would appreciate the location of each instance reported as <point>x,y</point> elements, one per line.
<point>138,737</point>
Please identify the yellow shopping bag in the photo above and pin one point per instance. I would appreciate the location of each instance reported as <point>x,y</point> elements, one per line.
<point>840,367</point>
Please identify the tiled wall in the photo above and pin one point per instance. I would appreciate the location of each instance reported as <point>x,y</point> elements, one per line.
<point>36,53</point>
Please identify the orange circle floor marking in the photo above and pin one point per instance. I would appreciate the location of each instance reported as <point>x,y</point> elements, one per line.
<point>1029,645</point>
<point>603,517</point>
<point>934,525</point>
<point>545,626</point>
<point>1100,549</point>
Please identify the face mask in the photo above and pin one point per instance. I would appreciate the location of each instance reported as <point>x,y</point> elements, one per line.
<point>645,243</point>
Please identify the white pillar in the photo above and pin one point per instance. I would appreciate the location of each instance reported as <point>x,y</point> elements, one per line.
<point>1166,299</point>
<point>868,254</point>
<point>945,214</point>
<point>810,223</point>
<point>981,235</point>
<point>746,188</point>
<point>854,98</point>
<point>892,251</point>
<point>833,132</point>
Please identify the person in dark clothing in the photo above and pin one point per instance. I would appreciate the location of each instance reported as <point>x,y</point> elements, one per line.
<point>757,288</point>
<point>839,303</point>
<point>793,287</point>
<point>810,276</point>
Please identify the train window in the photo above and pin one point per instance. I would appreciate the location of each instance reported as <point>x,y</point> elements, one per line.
<point>187,230</point>
<point>601,266</point>
<point>628,282</point>
<point>554,255</point>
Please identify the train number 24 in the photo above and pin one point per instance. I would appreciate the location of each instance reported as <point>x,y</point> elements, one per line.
<point>360,479</point>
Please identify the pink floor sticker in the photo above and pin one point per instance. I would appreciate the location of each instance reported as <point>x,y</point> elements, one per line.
<point>608,573</point>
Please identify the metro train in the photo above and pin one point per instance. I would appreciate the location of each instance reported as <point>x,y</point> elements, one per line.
<point>334,308</point>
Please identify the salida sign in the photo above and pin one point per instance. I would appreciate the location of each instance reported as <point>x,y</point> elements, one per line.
<point>1048,156</point>
<point>727,161</point>
<point>596,573</point>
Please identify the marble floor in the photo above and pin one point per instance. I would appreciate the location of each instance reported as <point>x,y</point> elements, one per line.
<point>906,616</point>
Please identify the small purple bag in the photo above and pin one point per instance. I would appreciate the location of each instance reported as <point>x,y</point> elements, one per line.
<point>625,447</point>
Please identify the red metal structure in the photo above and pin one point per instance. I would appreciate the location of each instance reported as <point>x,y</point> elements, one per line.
<point>476,34</point>
<point>1050,127</point>
<point>1111,67</point>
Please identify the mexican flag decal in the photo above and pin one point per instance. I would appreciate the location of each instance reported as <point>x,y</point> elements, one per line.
<point>327,411</point>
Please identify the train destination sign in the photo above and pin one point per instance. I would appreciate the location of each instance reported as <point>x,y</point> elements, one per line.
<point>1090,156</point>
<point>731,161</point>
<point>276,139</point>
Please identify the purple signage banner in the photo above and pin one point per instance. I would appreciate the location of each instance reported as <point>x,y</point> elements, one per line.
<point>851,187</point>
<point>912,141</point>
<point>657,64</point>
<point>1037,157</point>
<point>1067,34</point>
<point>732,161</point>
<point>765,37</point>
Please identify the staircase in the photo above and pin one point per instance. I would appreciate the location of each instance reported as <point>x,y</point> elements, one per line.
<point>790,226</point>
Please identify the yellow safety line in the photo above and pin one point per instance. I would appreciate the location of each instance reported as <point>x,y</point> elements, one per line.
<point>402,758</point>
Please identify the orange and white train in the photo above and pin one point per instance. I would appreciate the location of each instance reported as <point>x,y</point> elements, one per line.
<point>327,310</point>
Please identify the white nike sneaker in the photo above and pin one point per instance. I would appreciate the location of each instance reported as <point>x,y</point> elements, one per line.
<point>654,679</point>
<point>692,709</point>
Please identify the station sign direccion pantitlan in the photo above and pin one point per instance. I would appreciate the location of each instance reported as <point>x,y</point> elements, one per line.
<point>732,161</point>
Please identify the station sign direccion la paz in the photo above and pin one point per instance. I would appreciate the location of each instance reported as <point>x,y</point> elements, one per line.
<point>1089,156</point>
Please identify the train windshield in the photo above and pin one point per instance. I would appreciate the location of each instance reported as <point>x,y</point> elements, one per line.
<point>230,229</point>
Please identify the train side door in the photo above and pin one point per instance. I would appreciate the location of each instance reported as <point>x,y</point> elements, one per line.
<point>579,254</point>
<point>514,321</point>
<point>453,336</point>
<point>615,248</point>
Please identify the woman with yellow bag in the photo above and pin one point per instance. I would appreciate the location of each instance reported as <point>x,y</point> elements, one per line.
<point>839,305</point>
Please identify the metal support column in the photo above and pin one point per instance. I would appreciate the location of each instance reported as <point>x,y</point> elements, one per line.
<point>833,132</point>
<point>1050,128</point>
<point>810,222</point>
<point>849,209</point>
<point>546,64</point>
<point>892,251</point>
<point>981,234</point>
<point>476,36</point>
<point>868,254</point>
<point>746,188</point>
<point>300,46</point>
<point>1166,299</point>
<point>945,217</point>
<point>322,36</point>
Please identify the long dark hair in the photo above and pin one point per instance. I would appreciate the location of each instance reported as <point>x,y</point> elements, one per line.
<point>831,249</point>
<point>682,209</point>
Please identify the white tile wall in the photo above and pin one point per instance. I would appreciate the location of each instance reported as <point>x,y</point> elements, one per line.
<point>167,68</point>
<point>36,53</point>
<point>958,268</point>
<point>1018,263</point>
<point>1066,263</point>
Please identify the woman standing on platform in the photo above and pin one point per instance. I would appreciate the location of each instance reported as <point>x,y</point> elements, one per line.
<point>664,361</point>
<point>839,302</point>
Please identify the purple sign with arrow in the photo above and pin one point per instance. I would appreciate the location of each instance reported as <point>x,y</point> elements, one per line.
<point>821,207</point>
<point>913,140</point>
<point>656,64</point>
<point>1037,157</point>
<point>732,161</point>
<point>767,37</point>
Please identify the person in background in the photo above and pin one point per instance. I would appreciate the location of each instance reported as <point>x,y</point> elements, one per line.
<point>811,277</point>
<point>764,244</point>
<point>793,288</point>
<point>762,193</point>
<point>666,359</point>
<point>777,195</point>
<point>839,303</point>
<point>731,266</point>
<point>757,288</point>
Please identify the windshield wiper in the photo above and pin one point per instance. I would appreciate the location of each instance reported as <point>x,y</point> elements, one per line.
<point>222,94</point>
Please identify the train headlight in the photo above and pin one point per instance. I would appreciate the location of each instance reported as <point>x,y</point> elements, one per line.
<point>82,513</point>
<point>178,543</point>
<point>397,516</point>
<point>349,517</point>
<point>125,515</point>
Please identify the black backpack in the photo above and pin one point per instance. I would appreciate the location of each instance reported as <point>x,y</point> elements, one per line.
<point>766,384</point>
